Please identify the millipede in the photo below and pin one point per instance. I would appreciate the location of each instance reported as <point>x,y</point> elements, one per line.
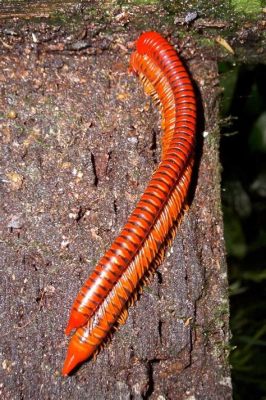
<point>102,303</point>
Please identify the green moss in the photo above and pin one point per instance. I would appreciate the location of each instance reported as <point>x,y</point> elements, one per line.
<point>247,6</point>
<point>57,18</point>
<point>69,20</point>
<point>221,310</point>
<point>72,20</point>
<point>138,2</point>
<point>206,42</point>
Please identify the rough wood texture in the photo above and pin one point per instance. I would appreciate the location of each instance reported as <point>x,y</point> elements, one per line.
<point>79,141</point>
<point>35,8</point>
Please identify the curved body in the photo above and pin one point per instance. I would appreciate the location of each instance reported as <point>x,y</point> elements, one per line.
<point>103,300</point>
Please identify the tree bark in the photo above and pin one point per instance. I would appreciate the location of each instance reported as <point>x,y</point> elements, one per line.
<point>79,143</point>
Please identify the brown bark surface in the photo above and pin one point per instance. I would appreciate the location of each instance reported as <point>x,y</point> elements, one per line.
<point>79,141</point>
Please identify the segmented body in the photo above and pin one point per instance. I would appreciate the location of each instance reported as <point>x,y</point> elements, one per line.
<point>103,300</point>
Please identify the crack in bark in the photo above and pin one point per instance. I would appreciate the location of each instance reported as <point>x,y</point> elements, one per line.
<point>115,211</point>
<point>96,179</point>
<point>154,146</point>
<point>81,212</point>
<point>150,370</point>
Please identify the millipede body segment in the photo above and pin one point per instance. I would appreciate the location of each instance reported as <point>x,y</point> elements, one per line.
<point>103,300</point>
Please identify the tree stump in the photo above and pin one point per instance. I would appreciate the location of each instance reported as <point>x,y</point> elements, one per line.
<point>79,142</point>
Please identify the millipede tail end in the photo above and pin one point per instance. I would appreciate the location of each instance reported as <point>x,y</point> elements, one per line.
<point>76,354</point>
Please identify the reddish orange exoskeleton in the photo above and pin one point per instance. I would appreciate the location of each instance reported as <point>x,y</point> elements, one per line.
<point>103,300</point>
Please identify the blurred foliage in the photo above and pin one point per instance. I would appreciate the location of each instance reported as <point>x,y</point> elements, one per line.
<point>243,158</point>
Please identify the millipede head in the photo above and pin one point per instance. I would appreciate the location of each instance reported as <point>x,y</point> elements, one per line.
<point>145,39</point>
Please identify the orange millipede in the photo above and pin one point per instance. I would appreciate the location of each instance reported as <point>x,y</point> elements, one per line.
<point>103,300</point>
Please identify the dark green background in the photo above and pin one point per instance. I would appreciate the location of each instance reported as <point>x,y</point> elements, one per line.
<point>243,158</point>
